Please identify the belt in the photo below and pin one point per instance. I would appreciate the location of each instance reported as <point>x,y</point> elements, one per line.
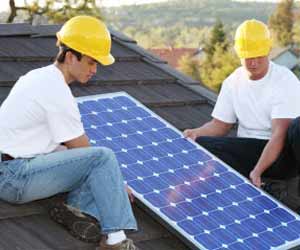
<point>6,157</point>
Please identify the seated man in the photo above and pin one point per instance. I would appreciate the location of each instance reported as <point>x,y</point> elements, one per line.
<point>262,98</point>
<point>39,115</point>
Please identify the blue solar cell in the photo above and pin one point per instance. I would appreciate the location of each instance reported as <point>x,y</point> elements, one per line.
<point>139,140</point>
<point>264,202</point>
<point>196,193</point>
<point>109,103</point>
<point>256,243</point>
<point>168,133</point>
<point>172,196</point>
<point>154,123</point>
<point>92,119</point>
<point>94,134</point>
<point>140,186</point>
<point>125,158</point>
<point>208,241</point>
<point>217,183</point>
<point>233,195</point>
<point>250,207</point>
<point>155,151</point>
<point>295,225</point>
<point>221,218</point>
<point>190,227</point>
<point>140,170</point>
<point>289,235</point>
<point>173,213</point>
<point>124,128</point>
<point>188,209</point>
<point>172,178</point>
<point>223,236</point>
<point>206,222</point>
<point>124,143</point>
<point>109,144</point>
<point>156,183</point>
<point>141,125</point>
<point>153,136</point>
<point>238,246</point>
<point>204,204</point>
<point>271,239</point>
<point>127,174</point>
<point>170,162</point>
<point>253,225</point>
<point>124,101</point>
<point>232,178</point>
<point>109,117</point>
<point>236,212</point>
<point>169,148</point>
<point>123,114</point>
<point>184,144</point>
<point>239,231</point>
<point>248,190</point>
<point>218,200</point>
<point>213,166</point>
<point>282,215</point>
<point>139,112</point>
<point>156,166</point>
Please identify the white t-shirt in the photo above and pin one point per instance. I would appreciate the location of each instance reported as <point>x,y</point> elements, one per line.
<point>39,113</point>
<point>253,104</point>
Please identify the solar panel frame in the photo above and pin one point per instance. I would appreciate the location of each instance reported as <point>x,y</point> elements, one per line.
<point>251,191</point>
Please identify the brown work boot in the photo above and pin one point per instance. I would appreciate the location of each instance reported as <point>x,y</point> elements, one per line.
<point>124,245</point>
<point>81,226</point>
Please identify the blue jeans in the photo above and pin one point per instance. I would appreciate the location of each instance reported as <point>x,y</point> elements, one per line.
<point>91,176</point>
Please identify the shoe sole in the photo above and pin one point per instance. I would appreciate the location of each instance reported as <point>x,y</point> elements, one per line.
<point>63,216</point>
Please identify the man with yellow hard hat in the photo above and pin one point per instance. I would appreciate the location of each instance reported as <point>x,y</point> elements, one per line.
<point>39,116</point>
<point>262,98</point>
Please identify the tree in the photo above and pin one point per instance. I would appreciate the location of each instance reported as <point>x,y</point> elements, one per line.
<point>189,66</point>
<point>281,23</point>
<point>214,69</point>
<point>57,11</point>
<point>217,38</point>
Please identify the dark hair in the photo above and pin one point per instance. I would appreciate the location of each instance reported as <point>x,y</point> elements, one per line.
<point>63,49</point>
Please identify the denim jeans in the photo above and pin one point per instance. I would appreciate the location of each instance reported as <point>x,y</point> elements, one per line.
<point>242,154</point>
<point>91,176</point>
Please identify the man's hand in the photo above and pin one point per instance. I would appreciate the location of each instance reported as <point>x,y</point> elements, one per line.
<point>190,133</point>
<point>255,178</point>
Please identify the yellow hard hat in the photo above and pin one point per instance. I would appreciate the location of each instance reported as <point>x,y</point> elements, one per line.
<point>252,39</point>
<point>89,36</point>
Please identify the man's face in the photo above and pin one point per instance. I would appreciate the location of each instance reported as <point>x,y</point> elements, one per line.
<point>256,67</point>
<point>82,70</point>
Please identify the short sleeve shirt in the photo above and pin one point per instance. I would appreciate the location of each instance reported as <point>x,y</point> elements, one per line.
<point>39,113</point>
<point>254,104</point>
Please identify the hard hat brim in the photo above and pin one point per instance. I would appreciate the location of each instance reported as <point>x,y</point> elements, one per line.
<point>105,60</point>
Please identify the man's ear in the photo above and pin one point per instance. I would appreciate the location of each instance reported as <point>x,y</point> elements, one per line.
<point>69,57</point>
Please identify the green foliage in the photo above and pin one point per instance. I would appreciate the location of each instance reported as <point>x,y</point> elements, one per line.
<point>58,11</point>
<point>190,67</point>
<point>214,69</point>
<point>281,23</point>
<point>217,39</point>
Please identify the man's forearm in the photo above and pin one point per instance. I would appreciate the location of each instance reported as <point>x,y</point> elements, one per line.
<point>269,155</point>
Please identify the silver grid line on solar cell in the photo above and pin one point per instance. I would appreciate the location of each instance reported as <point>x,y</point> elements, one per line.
<point>202,198</point>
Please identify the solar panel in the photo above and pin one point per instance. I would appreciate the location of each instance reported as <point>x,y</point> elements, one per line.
<point>208,203</point>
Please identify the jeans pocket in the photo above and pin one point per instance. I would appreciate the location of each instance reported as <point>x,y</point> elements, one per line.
<point>9,193</point>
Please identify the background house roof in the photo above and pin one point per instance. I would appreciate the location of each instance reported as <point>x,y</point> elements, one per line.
<point>174,96</point>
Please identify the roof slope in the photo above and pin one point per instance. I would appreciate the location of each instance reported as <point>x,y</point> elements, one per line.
<point>175,97</point>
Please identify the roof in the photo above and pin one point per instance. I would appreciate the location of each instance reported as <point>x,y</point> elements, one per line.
<point>173,55</point>
<point>174,96</point>
<point>284,56</point>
